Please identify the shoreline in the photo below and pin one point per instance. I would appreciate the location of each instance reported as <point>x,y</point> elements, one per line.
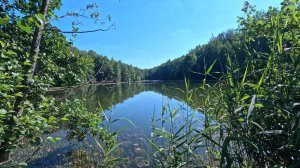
<point>65,88</point>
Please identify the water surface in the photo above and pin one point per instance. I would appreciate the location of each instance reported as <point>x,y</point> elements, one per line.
<point>135,102</point>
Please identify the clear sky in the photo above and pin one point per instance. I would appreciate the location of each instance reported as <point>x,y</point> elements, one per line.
<point>150,32</point>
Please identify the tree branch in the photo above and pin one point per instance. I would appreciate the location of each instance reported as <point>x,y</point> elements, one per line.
<point>85,31</point>
<point>80,13</point>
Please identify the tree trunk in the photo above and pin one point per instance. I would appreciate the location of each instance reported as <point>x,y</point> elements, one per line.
<point>34,52</point>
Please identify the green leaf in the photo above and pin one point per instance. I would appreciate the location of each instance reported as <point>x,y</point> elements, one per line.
<point>30,19</point>
<point>23,164</point>
<point>210,67</point>
<point>4,20</point>
<point>260,22</point>
<point>24,26</point>
<point>50,139</point>
<point>27,62</point>
<point>2,44</point>
<point>252,85</point>
<point>52,119</point>
<point>16,119</point>
<point>207,137</point>
<point>251,107</point>
<point>11,52</point>
<point>53,139</point>
<point>128,120</point>
<point>57,139</point>
<point>179,131</point>
<point>265,73</point>
<point>289,7</point>
<point>20,94</point>
<point>259,105</point>
<point>241,120</point>
<point>99,144</point>
<point>295,17</point>
<point>64,119</point>
<point>245,97</point>
<point>40,17</point>
<point>173,114</point>
<point>244,77</point>
<point>113,148</point>
<point>3,111</point>
<point>158,149</point>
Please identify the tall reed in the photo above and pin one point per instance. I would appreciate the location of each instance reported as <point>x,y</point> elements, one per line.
<point>251,114</point>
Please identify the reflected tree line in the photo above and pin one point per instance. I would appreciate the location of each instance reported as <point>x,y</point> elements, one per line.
<point>110,95</point>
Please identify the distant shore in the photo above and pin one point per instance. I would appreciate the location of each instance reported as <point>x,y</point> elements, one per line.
<point>66,88</point>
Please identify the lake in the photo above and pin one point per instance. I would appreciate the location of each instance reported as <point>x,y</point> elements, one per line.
<point>134,104</point>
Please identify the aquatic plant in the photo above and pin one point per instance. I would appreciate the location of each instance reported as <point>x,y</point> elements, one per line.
<point>252,112</point>
<point>172,136</point>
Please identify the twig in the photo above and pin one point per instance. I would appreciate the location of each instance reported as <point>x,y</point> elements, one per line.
<point>85,31</point>
<point>36,151</point>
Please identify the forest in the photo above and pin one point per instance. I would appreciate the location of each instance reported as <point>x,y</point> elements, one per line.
<point>110,70</point>
<point>251,110</point>
<point>191,66</point>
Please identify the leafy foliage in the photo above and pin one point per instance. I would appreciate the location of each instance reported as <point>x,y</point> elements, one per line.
<point>28,69</point>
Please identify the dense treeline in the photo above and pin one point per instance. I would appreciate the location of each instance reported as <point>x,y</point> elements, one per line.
<point>94,67</point>
<point>110,70</point>
<point>194,64</point>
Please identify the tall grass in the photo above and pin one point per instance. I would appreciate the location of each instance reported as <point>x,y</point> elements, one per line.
<point>251,114</point>
<point>173,136</point>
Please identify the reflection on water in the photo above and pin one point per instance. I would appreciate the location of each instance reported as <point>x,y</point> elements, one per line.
<point>112,95</point>
<point>136,102</point>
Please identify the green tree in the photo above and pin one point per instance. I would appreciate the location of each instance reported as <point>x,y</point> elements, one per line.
<point>34,56</point>
<point>117,69</point>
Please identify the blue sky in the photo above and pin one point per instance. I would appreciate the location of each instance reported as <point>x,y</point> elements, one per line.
<point>150,32</point>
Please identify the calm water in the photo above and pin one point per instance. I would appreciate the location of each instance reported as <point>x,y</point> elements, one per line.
<point>135,102</point>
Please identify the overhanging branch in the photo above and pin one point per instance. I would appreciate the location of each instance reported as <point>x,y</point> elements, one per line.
<point>85,31</point>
